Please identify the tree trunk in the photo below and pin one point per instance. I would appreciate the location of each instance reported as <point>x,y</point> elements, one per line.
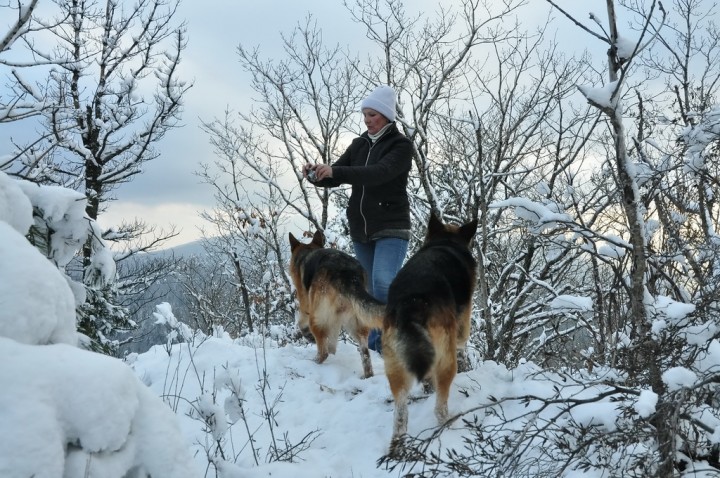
<point>645,356</point>
<point>244,293</point>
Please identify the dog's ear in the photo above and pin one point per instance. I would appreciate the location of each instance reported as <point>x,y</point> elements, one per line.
<point>467,231</point>
<point>435,225</point>
<point>293,242</point>
<point>319,238</point>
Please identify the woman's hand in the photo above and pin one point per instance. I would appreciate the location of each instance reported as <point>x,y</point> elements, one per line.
<point>322,171</point>
<point>307,168</point>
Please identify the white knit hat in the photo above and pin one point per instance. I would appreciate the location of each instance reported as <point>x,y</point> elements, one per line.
<point>382,100</point>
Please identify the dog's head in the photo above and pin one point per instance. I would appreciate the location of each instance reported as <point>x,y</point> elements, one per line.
<point>318,241</point>
<point>299,251</point>
<point>463,234</point>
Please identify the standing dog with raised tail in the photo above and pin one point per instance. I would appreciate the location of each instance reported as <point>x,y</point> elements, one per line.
<point>332,295</point>
<point>428,317</point>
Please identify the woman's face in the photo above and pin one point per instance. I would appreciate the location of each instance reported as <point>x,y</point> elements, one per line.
<point>374,121</point>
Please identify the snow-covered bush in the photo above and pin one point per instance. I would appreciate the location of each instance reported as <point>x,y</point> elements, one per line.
<point>65,411</point>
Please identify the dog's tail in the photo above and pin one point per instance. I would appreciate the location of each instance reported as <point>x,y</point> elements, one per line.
<point>413,343</point>
<point>368,309</point>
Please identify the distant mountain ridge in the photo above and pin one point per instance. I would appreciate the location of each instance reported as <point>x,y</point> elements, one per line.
<point>189,249</point>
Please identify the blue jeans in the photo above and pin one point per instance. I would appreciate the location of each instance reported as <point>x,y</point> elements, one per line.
<point>381,259</point>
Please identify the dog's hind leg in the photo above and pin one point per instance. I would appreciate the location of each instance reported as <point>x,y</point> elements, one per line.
<point>321,340</point>
<point>362,338</point>
<point>366,362</point>
<point>400,417</point>
<point>445,371</point>
<point>400,422</point>
<point>335,321</point>
<point>400,383</point>
<point>463,360</point>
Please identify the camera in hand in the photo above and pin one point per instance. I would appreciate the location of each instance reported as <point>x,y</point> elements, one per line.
<point>312,176</point>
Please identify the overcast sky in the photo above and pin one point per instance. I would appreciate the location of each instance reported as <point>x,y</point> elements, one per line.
<point>168,192</point>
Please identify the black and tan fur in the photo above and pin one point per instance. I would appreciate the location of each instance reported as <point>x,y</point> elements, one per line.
<point>428,317</point>
<point>332,295</point>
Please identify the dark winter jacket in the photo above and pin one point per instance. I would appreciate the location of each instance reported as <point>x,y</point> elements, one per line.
<point>378,173</point>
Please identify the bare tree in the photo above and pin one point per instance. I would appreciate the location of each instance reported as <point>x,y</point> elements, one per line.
<point>645,358</point>
<point>426,61</point>
<point>99,126</point>
<point>19,28</point>
<point>649,192</point>
<point>681,125</point>
<point>209,298</point>
<point>14,107</point>
<point>682,196</point>
<point>620,230</point>
<point>307,109</point>
<point>247,239</point>
<point>524,139</point>
<point>307,104</point>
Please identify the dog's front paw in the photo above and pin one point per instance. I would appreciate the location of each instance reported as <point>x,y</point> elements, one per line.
<point>320,358</point>
<point>397,447</point>
<point>403,449</point>
<point>442,414</point>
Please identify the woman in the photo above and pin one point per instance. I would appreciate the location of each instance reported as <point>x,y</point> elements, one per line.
<point>376,164</point>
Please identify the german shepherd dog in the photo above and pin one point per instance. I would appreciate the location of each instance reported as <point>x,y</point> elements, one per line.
<point>332,294</point>
<point>428,317</point>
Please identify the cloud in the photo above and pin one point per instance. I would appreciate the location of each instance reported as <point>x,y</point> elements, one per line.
<point>183,216</point>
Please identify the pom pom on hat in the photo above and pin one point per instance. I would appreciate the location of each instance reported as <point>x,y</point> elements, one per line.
<point>382,100</point>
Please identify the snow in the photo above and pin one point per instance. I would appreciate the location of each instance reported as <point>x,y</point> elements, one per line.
<point>163,315</point>
<point>46,313</point>
<point>570,302</point>
<point>63,211</point>
<point>542,215</point>
<point>15,206</point>
<point>672,309</point>
<point>645,405</point>
<point>349,419</point>
<point>65,411</point>
<point>678,377</point>
<point>611,251</point>
<point>251,407</point>
<point>625,47</point>
<point>60,396</point>
<point>604,96</point>
<point>700,137</point>
<point>257,406</point>
<point>71,412</point>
